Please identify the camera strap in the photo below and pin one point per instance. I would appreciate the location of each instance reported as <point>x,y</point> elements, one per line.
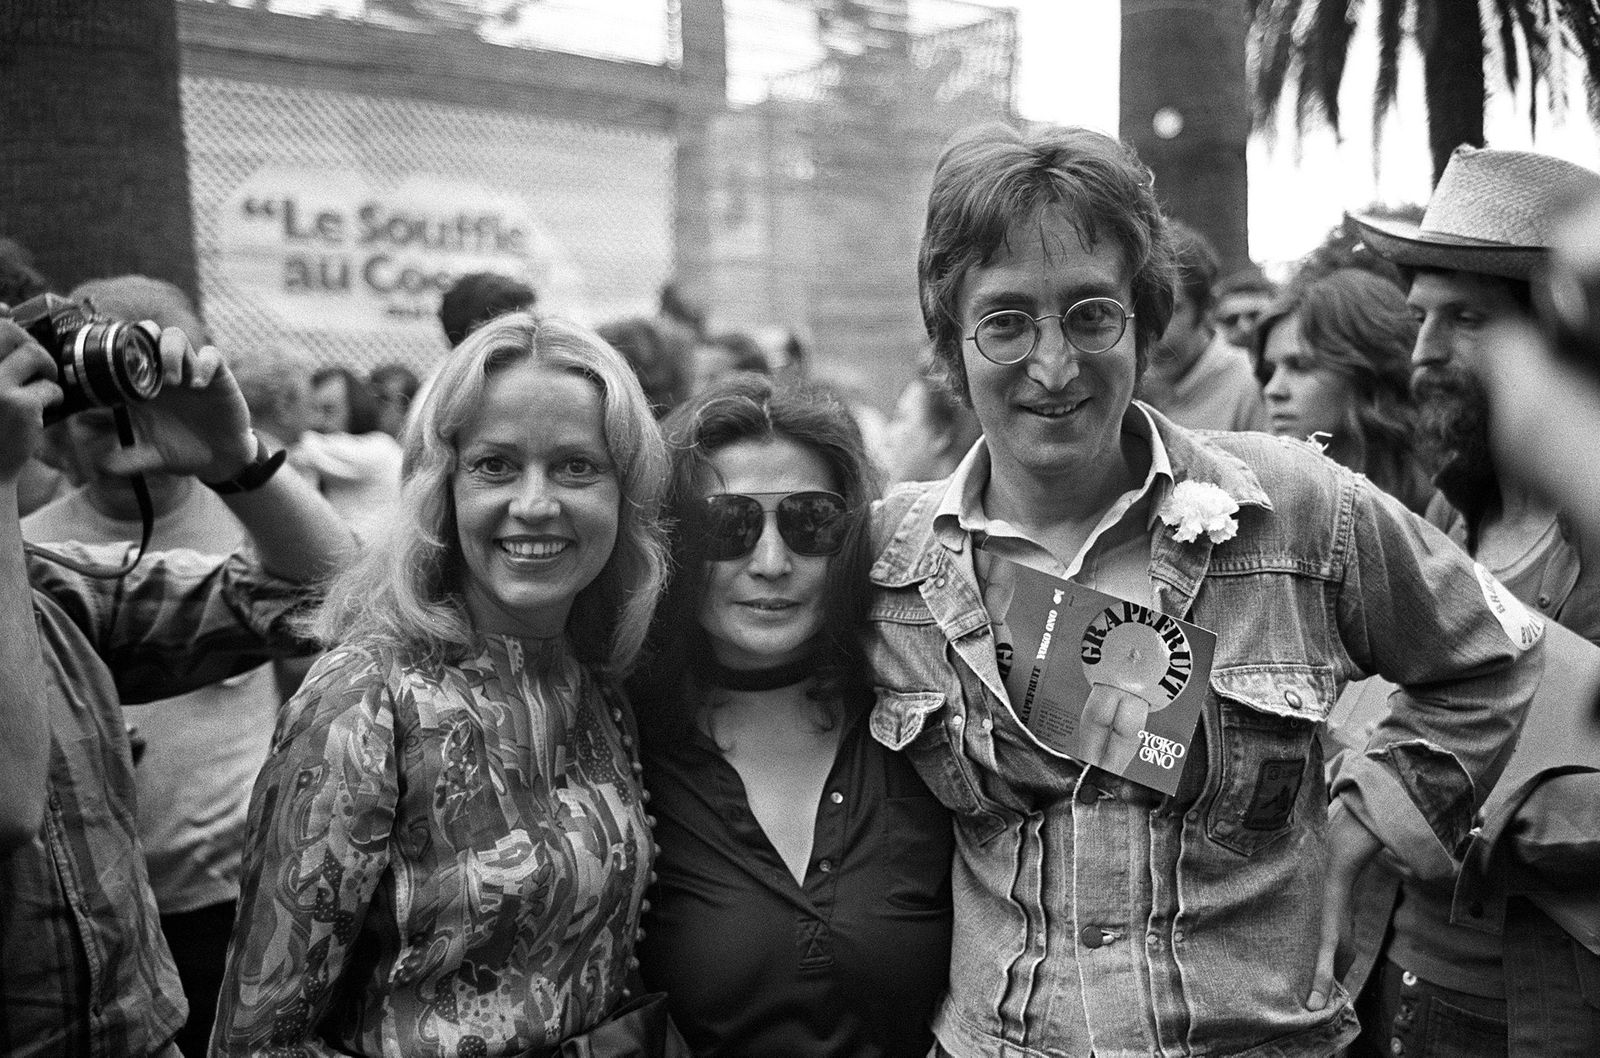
<point>147,519</point>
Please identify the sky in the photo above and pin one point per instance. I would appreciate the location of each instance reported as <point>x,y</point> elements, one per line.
<point>1298,189</point>
<point>1068,72</point>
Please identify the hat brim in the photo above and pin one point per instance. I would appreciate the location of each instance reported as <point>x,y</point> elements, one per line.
<point>1407,245</point>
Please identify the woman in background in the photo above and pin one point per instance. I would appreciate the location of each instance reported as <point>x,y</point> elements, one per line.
<point>448,845</point>
<point>803,906</point>
<point>1334,359</point>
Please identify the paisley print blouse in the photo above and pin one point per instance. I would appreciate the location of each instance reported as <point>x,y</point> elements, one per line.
<point>442,863</point>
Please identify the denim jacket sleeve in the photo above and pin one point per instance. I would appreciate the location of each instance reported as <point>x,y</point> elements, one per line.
<point>1415,609</point>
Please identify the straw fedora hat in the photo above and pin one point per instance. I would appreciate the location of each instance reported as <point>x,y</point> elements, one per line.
<point>1494,212</point>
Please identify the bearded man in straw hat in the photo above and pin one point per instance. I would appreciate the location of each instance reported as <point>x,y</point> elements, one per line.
<point>1503,955</point>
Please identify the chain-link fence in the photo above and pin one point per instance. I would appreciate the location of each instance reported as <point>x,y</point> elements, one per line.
<point>349,158</point>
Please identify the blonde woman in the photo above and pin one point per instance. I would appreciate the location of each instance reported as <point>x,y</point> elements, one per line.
<point>449,847</point>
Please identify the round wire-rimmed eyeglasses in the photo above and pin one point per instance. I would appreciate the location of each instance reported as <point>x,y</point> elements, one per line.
<point>1091,326</point>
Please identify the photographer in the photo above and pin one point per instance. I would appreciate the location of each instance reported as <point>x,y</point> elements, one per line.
<point>83,967</point>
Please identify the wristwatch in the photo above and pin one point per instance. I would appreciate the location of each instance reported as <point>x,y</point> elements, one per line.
<point>255,474</point>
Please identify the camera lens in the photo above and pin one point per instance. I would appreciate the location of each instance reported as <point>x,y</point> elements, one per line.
<point>115,362</point>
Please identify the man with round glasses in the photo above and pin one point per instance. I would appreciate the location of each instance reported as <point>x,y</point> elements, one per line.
<point>1094,914</point>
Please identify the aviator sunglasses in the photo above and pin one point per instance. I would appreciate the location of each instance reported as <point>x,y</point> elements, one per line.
<point>811,523</point>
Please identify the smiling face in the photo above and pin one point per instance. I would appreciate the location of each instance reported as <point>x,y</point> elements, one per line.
<point>763,609</point>
<point>1056,417</point>
<point>1303,396</point>
<point>536,499</point>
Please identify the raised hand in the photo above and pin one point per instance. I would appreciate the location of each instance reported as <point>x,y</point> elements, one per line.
<point>27,387</point>
<point>198,424</point>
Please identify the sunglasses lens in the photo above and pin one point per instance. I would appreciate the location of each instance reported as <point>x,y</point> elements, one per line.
<point>733,525</point>
<point>812,523</point>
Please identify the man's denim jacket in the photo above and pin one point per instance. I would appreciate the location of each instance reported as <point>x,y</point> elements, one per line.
<point>1095,915</point>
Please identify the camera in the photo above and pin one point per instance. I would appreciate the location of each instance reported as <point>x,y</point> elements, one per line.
<point>101,362</point>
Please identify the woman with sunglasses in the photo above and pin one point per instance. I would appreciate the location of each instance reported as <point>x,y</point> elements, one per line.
<point>803,901</point>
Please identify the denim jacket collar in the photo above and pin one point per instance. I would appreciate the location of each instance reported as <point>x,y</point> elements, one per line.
<point>1177,569</point>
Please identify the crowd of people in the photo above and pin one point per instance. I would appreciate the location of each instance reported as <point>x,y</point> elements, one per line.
<point>630,691</point>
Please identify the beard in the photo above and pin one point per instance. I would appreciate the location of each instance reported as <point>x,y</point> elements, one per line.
<point>1453,428</point>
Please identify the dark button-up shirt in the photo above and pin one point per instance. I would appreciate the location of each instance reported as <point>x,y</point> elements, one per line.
<point>852,962</point>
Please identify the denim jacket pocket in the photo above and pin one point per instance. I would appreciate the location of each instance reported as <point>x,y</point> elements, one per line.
<point>898,717</point>
<point>1266,754</point>
<point>906,721</point>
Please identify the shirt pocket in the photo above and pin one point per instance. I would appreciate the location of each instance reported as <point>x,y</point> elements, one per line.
<point>1266,719</point>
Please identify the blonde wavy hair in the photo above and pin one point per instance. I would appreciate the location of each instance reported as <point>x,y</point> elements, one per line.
<point>404,595</point>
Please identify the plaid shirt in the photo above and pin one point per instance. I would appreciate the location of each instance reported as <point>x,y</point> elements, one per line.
<point>84,969</point>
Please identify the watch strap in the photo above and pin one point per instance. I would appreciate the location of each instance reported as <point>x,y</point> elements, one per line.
<point>255,474</point>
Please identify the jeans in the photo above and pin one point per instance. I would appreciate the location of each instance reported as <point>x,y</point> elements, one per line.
<point>199,943</point>
<point>1404,1016</point>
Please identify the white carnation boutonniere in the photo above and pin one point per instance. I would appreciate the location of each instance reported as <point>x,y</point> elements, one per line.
<point>1196,507</point>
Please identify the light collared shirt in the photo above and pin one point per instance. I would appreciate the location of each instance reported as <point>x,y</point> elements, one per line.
<point>1114,559</point>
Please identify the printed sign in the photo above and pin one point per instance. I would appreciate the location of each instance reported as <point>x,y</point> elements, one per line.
<point>1100,679</point>
<point>330,250</point>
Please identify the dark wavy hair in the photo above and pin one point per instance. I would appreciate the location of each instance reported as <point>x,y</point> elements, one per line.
<point>751,407</point>
<point>993,177</point>
<point>1356,323</point>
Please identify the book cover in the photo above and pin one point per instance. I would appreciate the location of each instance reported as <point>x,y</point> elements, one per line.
<point>1102,680</point>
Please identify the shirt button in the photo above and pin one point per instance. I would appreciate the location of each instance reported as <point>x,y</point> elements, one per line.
<point>633,962</point>
<point>638,934</point>
<point>1087,794</point>
<point>1091,937</point>
<point>1544,602</point>
<point>1293,698</point>
<point>650,821</point>
<point>1193,817</point>
<point>616,714</point>
<point>1396,1048</point>
<point>644,795</point>
<point>1408,979</point>
<point>836,797</point>
<point>987,723</point>
<point>654,878</point>
<point>825,866</point>
<point>957,720</point>
<point>938,582</point>
<point>644,907</point>
<point>627,741</point>
<point>638,769</point>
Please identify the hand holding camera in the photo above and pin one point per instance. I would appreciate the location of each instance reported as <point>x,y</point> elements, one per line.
<point>187,414</point>
<point>27,388</point>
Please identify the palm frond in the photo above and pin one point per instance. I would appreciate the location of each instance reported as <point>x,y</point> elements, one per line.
<point>1582,21</point>
<point>1274,32</point>
<point>1391,19</point>
<point>1535,27</point>
<point>1505,28</point>
<point>1323,53</point>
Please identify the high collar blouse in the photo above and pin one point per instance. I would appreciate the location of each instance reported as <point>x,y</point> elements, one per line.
<point>440,862</point>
